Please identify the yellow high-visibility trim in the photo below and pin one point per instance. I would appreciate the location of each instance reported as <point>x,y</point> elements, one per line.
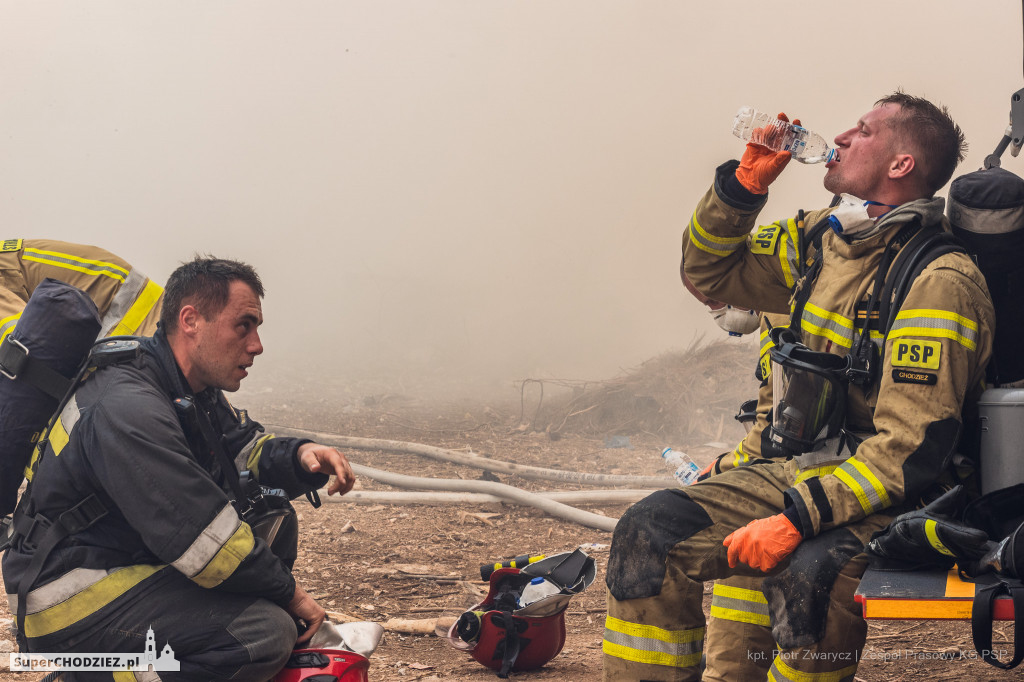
<point>650,657</point>
<point>139,310</point>
<point>729,244</point>
<point>967,340</point>
<point>58,437</point>
<point>124,676</point>
<point>933,538</point>
<point>784,259</point>
<point>654,632</point>
<point>7,325</point>
<point>253,461</point>
<point>967,343</point>
<point>734,614</point>
<point>791,674</point>
<point>86,602</point>
<point>738,616</point>
<point>733,592</point>
<point>740,455</point>
<point>814,472</point>
<point>67,261</point>
<point>862,495</point>
<point>227,559</point>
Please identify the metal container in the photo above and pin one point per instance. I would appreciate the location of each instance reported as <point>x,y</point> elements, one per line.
<point>1002,438</point>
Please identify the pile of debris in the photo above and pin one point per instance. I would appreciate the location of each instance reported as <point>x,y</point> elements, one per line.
<point>692,394</point>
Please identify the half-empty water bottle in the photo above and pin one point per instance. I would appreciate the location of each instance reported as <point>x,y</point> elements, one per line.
<point>686,470</point>
<point>767,130</point>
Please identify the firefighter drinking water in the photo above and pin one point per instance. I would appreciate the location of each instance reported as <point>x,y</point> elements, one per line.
<point>836,466</point>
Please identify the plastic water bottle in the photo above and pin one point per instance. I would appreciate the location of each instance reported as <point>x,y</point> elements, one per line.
<point>806,146</point>
<point>537,589</point>
<point>686,470</point>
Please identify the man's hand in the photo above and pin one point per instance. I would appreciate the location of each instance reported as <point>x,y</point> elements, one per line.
<point>305,608</point>
<point>760,166</point>
<point>316,458</point>
<point>763,543</point>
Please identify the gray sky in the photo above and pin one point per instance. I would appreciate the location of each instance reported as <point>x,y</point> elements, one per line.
<point>497,188</point>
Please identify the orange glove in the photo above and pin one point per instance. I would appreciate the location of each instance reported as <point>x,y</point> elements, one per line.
<point>763,543</point>
<point>760,166</point>
<point>709,470</point>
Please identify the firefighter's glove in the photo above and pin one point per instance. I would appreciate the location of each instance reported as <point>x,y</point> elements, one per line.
<point>759,165</point>
<point>763,543</point>
<point>930,537</point>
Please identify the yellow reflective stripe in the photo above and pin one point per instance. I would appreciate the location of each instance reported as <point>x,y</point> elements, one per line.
<point>652,645</point>
<point>718,246</point>
<point>59,437</point>
<point>940,324</point>
<point>831,326</point>
<point>933,537</point>
<point>124,676</point>
<point>88,601</point>
<point>739,604</point>
<point>783,672</point>
<point>740,455</point>
<point>67,261</point>
<point>252,462</point>
<point>814,472</point>
<point>217,536</point>
<point>139,310</point>
<point>224,563</point>
<point>789,255</point>
<point>8,323</point>
<point>865,485</point>
<point>733,592</point>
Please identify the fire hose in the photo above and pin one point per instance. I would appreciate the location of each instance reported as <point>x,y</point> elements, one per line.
<point>491,489</point>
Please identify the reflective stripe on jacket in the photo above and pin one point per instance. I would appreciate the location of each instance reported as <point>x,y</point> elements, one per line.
<point>913,409</point>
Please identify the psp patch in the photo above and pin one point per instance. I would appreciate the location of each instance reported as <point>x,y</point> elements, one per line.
<point>910,376</point>
<point>766,239</point>
<point>916,353</point>
<point>9,245</point>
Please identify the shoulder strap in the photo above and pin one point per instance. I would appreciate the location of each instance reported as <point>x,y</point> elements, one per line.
<point>927,245</point>
<point>809,271</point>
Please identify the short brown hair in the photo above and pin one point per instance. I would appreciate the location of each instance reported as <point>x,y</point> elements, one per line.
<point>204,283</point>
<point>938,142</point>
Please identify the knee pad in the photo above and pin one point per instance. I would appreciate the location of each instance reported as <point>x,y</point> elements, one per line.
<point>799,596</point>
<point>643,538</point>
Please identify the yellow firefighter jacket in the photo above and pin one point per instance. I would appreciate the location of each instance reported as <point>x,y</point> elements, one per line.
<point>912,414</point>
<point>128,301</point>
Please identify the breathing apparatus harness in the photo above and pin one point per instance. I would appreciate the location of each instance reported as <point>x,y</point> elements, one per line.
<point>810,387</point>
<point>38,532</point>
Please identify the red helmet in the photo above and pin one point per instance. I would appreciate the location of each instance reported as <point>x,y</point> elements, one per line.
<point>506,633</point>
<point>324,665</point>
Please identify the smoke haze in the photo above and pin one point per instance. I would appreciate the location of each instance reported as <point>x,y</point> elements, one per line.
<point>491,190</point>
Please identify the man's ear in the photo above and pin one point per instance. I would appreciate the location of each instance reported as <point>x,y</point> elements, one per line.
<point>901,166</point>
<point>188,319</point>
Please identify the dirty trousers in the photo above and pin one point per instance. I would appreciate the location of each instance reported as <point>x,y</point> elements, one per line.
<point>667,544</point>
<point>213,635</point>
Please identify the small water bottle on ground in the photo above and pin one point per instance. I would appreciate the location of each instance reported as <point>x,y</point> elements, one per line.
<point>537,589</point>
<point>806,146</point>
<point>686,470</point>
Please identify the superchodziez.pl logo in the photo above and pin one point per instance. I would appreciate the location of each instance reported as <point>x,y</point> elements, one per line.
<point>148,660</point>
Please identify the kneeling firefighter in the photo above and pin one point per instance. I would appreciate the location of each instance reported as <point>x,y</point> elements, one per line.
<point>878,433</point>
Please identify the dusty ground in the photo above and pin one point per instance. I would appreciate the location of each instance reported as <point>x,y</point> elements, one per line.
<point>380,561</point>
